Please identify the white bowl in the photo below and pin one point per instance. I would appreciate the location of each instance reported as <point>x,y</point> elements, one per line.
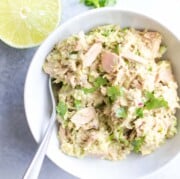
<point>38,105</point>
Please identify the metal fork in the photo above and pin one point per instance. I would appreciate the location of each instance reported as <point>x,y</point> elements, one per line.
<point>35,166</point>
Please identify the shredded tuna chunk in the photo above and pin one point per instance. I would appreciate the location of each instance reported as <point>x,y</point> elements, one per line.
<point>92,54</point>
<point>109,61</point>
<point>151,44</point>
<point>165,73</point>
<point>132,56</point>
<point>83,116</point>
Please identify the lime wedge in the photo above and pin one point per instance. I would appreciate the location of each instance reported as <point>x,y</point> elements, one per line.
<point>26,23</point>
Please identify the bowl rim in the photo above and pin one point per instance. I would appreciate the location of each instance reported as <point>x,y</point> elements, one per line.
<point>63,25</point>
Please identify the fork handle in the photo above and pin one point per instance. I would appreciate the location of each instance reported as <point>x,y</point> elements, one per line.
<point>35,166</point>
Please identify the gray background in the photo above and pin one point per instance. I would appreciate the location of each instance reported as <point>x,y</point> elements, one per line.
<point>17,145</point>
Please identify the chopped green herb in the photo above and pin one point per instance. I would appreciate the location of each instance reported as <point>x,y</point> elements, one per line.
<point>149,95</point>
<point>77,103</point>
<point>98,3</point>
<point>100,81</point>
<point>116,49</point>
<point>137,52</point>
<point>137,143</point>
<point>94,3</point>
<point>106,33</point>
<point>119,136</point>
<point>61,109</point>
<point>139,112</point>
<point>162,49</point>
<point>124,29</point>
<point>89,90</point>
<point>121,112</point>
<point>113,92</point>
<point>111,137</point>
<point>124,141</point>
<point>154,102</point>
<point>150,69</point>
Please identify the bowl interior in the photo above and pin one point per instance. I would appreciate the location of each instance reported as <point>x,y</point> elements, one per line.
<point>38,105</point>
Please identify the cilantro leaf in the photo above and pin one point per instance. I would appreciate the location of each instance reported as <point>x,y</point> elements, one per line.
<point>116,49</point>
<point>106,33</point>
<point>98,3</point>
<point>61,109</point>
<point>77,103</point>
<point>89,90</point>
<point>137,143</point>
<point>94,3</point>
<point>154,102</point>
<point>113,92</point>
<point>121,113</point>
<point>111,137</point>
<point>149,95</point>
<point>139,112</point>
<point>100,81</point>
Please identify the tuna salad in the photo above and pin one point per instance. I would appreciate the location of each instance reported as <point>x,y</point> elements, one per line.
<point>116,94</point>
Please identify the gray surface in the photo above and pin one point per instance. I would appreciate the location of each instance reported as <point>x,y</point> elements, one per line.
<point>17,145</point>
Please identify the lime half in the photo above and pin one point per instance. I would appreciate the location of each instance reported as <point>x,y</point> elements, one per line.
<point>26,23</point>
